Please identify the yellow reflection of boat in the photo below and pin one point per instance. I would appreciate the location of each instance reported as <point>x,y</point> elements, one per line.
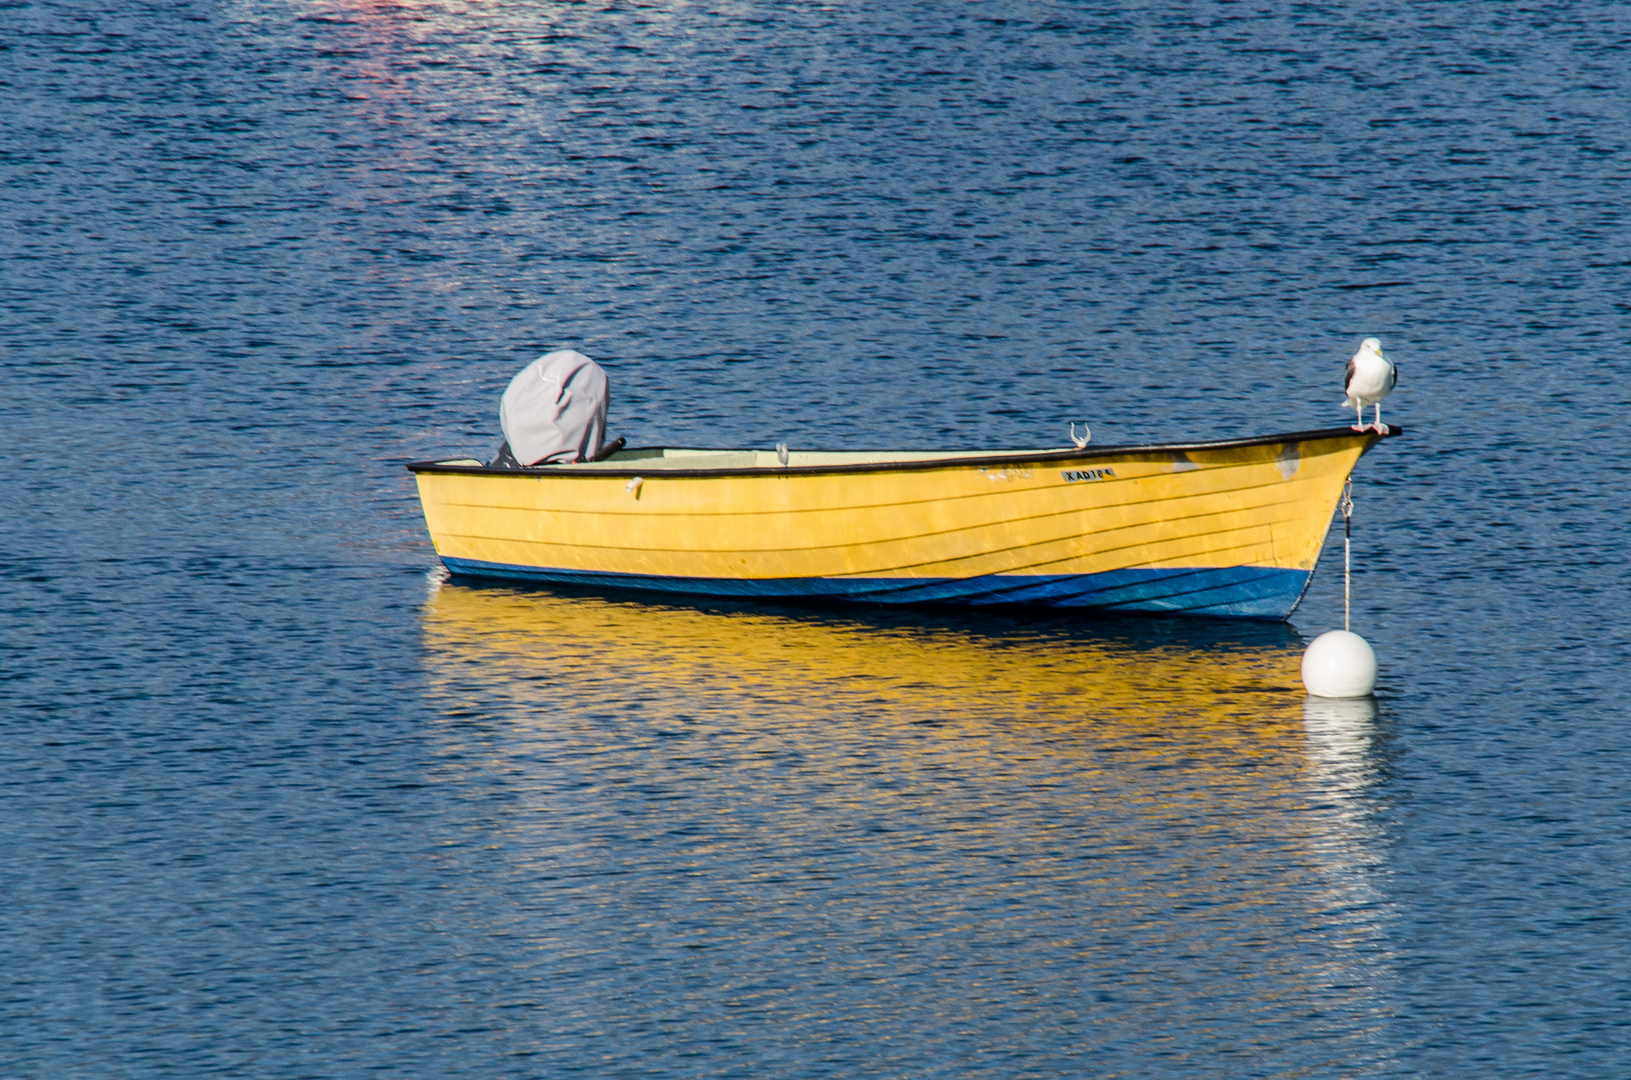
<point>1230,528</point>
<point>802,664</point>
<point>815,785</point>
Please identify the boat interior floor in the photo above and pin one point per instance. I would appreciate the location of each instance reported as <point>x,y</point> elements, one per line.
<point>668,457</point>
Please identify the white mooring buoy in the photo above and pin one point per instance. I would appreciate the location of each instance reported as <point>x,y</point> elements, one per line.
<point>1340,663</point>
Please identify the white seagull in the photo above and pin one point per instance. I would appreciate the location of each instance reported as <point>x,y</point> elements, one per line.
<point>1370,376</point>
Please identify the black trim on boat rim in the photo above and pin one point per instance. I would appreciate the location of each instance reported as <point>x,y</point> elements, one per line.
<point>974,458</point>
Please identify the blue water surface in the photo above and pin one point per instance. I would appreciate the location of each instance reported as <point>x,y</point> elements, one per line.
<point>277,798</point>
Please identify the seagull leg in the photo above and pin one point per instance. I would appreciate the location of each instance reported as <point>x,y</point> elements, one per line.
<point>1380,430</point>
<point>1359,416</point>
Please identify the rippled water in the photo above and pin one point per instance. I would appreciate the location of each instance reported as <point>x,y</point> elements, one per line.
<point>278,799</point>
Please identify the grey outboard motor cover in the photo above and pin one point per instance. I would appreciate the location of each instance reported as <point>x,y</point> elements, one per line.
<point>555,410</point>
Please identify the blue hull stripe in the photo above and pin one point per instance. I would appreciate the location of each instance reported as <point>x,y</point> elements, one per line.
<point>1242,592</point>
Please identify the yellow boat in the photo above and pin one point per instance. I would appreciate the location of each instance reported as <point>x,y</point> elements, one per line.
<point>1231,528</point>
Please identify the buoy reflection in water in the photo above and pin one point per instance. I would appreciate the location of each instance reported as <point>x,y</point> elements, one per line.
<point>1343,766</point>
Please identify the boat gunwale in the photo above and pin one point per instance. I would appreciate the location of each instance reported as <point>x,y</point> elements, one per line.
<point>1007,459</point>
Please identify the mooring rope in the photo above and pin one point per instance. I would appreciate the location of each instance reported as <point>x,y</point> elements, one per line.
<point>1347,546</point>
